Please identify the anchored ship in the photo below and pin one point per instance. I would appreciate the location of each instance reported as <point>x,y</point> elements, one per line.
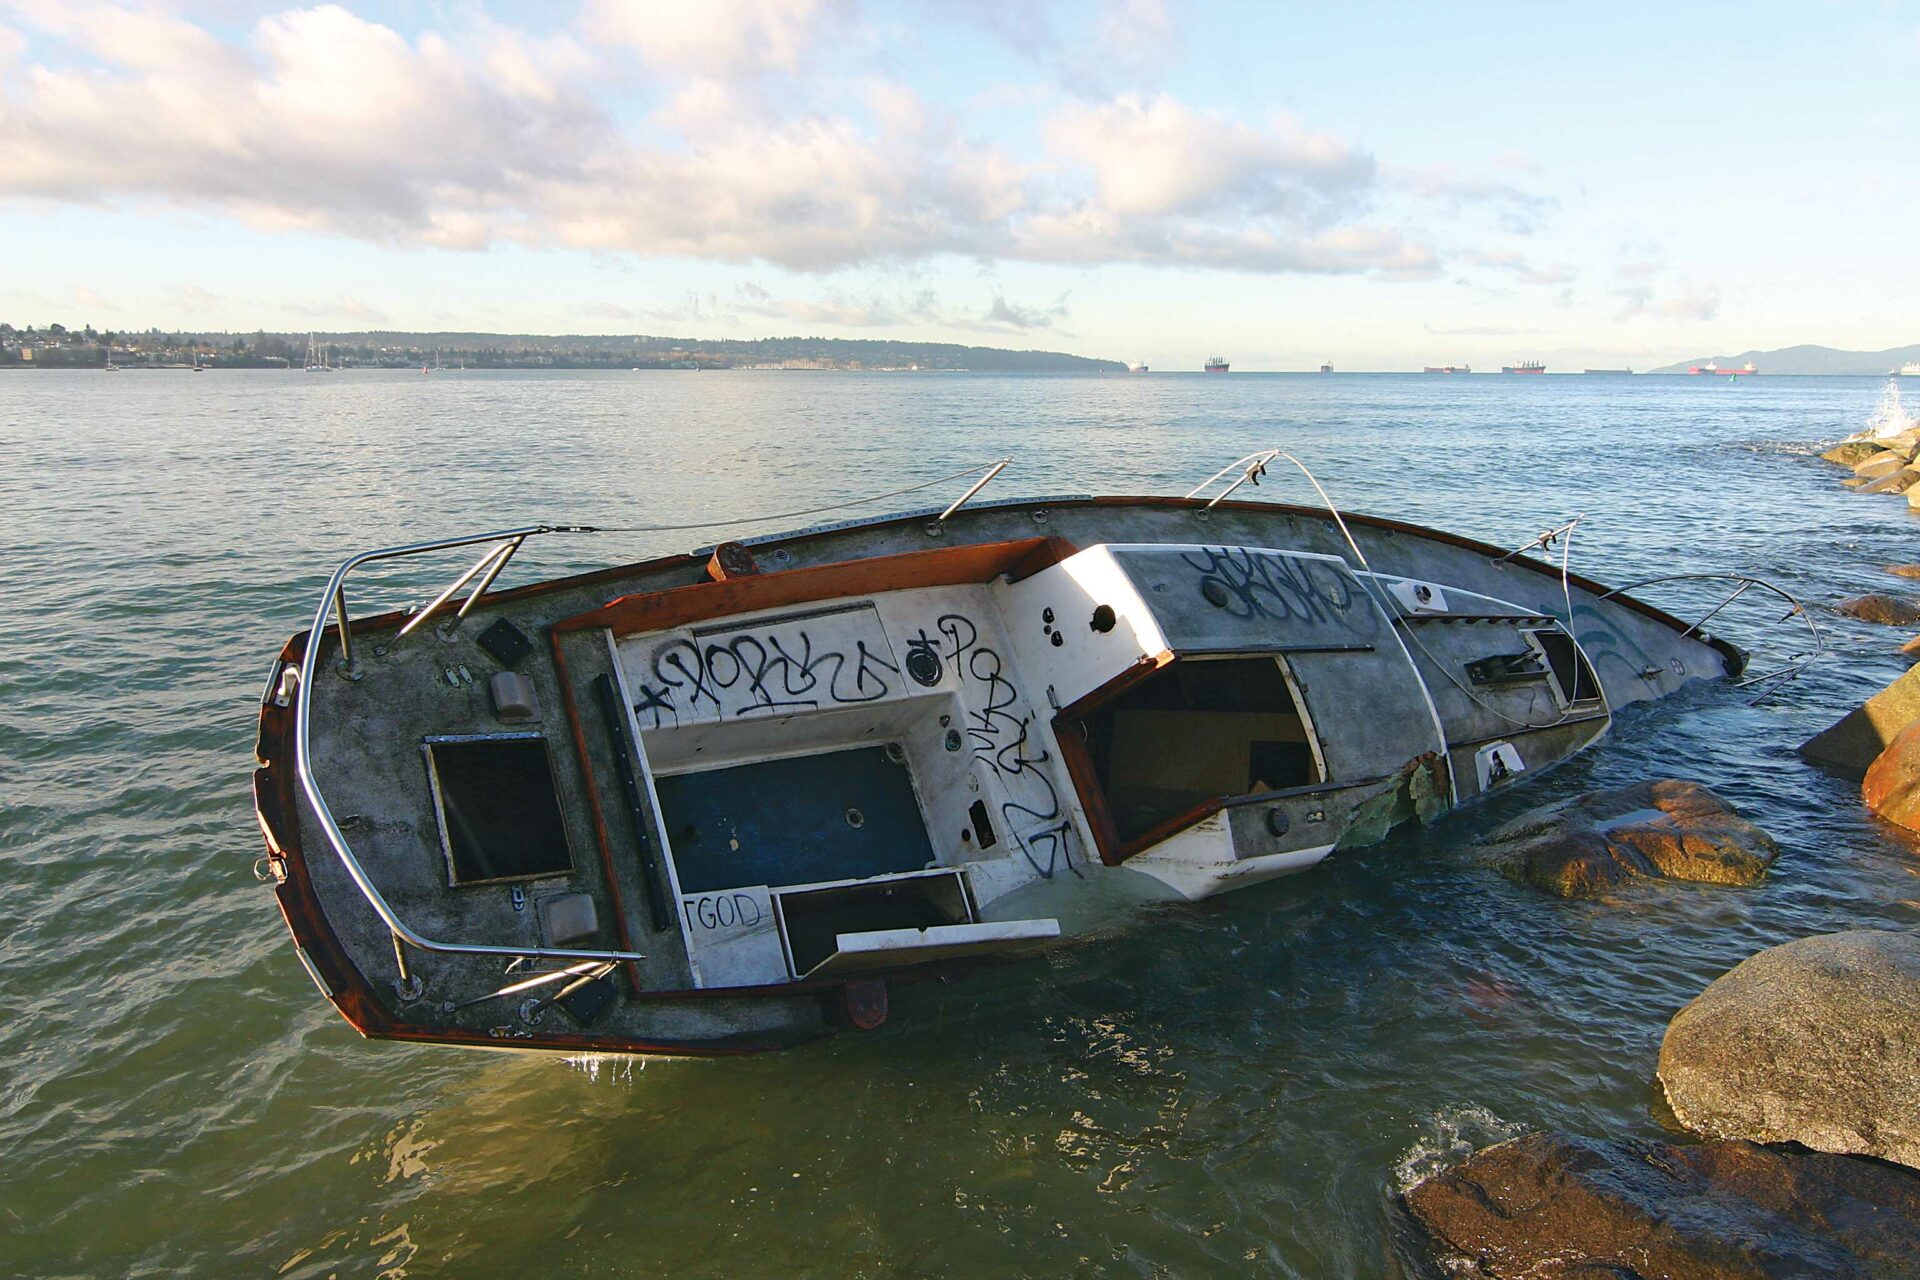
<point>1137,366</point>
<point>718,801</point>
<point>1525,366</point>
<point>1711,367</point>
<point>1911,369</point>
<point>1216,364</point>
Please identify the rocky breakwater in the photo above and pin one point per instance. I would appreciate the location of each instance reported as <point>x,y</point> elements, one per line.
<point>1667,829</point>
<point>1882,463</point>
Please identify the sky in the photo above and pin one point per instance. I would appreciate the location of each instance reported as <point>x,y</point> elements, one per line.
<point>1379,186</point>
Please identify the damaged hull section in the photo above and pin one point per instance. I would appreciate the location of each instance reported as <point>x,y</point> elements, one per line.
<point>717,802</point>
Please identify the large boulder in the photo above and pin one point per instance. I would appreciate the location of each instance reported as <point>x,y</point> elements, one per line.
<point>1666,829</point>
<point>1892,785</point>
<point>1549,1207</point>
<point>1855,740</point>
<point>1816,1041</point>
<point>1876,607</point>
<point>1904,570</point>
<point>1849,452</point>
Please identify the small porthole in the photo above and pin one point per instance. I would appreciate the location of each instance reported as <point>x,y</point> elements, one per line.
<point>856,819</point>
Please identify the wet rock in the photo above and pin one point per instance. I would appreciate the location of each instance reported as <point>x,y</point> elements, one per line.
<point>1849,452</point>
<point>1877,607</point>
<point>1855,740</point>
<point>1879,464</point>
<point>1892,785</point>
<point>1904,570</point>
<point>1892,482</point>
<point>1816,1041</point>
<point>1549,1206</point>
<point>1666,829</point>
<point>1912,647</point>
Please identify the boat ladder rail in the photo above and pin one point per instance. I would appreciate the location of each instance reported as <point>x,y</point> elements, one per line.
<point>1774,679</point>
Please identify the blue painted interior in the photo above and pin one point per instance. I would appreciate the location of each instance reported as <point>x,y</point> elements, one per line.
<point>782,822</point>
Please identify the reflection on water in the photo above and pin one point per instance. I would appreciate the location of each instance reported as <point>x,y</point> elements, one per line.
<point>1233,1085</point>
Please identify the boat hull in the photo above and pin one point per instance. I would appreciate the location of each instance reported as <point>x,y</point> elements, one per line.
<point>1381,709</point>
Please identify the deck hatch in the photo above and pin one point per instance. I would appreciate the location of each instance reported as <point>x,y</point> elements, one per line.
<point>837,815</point>
<point>498,808</point>
<point>1573,679</point>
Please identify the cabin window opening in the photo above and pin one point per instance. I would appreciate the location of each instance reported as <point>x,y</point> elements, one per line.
<point>1198,731</point>
<point>498,808</point>
<point>1573,679</point>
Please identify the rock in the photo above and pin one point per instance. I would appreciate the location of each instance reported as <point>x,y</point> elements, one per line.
<point>1892,482</point>
<point>1875,607</point>
<point>1892,785</point>
<point>1855,740</point>
<point>1672,829</point>
<point>1879,464</point>
<point>1904,570</point>
<point>1911,647</point>
<point>1550,1207</point>
<point>1848,452</point>
<point>1816,1041</point>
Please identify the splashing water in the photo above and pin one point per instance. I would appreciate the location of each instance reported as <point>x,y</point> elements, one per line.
<point>1890,416</point>
<point>1448,1137</point>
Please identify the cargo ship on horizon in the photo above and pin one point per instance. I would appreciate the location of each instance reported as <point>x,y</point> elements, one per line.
<point>1448,368</point>
<point>1216,364</point>
<point>1525,366</point>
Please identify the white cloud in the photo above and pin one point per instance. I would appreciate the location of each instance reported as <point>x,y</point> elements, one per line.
<point>1013,316</point>
<point>191,297</point>
<point>321,120</point>
<point>341,307</point>
<point>1687,300</point>
<point>1516,265</point>
<point>1516,209</point>
<point>722,39</point>
<point>1159,156</point>
<point>1137,37</point>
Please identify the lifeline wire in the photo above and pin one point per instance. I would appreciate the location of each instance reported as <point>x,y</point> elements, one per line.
<point>784,515</point>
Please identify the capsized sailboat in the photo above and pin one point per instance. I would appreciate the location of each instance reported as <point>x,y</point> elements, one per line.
<point>717,801</point>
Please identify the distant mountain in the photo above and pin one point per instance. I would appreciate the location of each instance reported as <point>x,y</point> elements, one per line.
<point>1809,359</point>
<point>844,353</point>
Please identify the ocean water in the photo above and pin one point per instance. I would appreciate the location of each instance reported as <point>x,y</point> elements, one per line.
<point>1235,1087</point>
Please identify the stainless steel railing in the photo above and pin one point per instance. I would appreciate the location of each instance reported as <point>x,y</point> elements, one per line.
<point>502,545</point>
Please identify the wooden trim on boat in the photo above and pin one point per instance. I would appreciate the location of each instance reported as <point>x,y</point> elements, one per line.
<point>1079,761</point>
<point>594,807</point>
<point>939,567</point>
